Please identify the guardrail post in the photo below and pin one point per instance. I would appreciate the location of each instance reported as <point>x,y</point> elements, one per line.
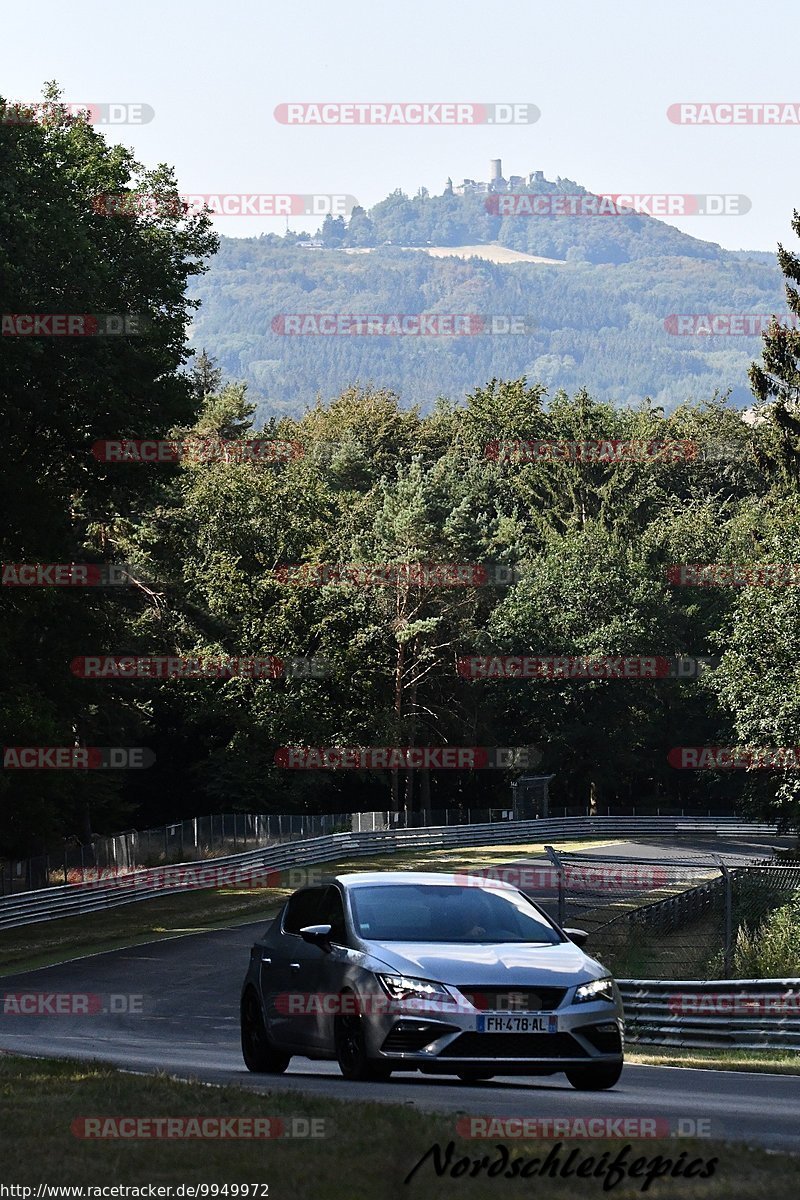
<point>728,953</point>
<point>551,854</point>
<point>727,941</point>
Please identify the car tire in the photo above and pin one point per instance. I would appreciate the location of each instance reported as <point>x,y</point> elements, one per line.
<point>594,1078</point>
<point>476,1076</point>
<point>259,1055</point>
<point>351,1051</point>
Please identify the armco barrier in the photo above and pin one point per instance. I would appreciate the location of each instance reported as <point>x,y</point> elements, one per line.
<point>752,1014</point>
<point>662,916</point>
<point>47,904</point>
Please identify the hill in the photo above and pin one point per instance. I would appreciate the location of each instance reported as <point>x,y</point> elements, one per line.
<point>597,316</point>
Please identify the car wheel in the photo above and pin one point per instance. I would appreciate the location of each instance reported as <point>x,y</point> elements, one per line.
<point>594,1078</point>
<point>351,1051</point>
<point>476,1076</point>
<point>257,1051</point>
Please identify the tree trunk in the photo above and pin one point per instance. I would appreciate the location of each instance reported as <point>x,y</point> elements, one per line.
<point>398,714</point>
<point>425,795</point>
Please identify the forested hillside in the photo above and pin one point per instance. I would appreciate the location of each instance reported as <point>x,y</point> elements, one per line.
<point>599,324</point>
<point>577,553</point>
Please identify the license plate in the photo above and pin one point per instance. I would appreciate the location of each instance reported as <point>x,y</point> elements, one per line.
<point>514,1023</point>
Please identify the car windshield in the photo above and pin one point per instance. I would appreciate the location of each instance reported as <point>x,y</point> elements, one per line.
<point>407,912</point>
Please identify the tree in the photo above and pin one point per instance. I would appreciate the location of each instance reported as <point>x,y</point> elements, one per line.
<point>205,376</point>
<point>360,229</point>
<point>758,683</point>
<point>779,378</point>
<point>60,252</point>
<point>333,231</point>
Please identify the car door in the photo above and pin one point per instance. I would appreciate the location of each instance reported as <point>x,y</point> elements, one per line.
<point>285,970</point>
<point>328,970</point>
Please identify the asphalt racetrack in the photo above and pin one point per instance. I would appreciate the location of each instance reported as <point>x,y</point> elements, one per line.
<point>188,991</point>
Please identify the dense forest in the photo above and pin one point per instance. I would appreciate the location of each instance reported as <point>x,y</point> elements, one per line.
<point>603,326</point>
<point>589,541</point>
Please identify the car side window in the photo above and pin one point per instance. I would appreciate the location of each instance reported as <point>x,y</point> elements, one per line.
<point>304,908</point>
<point>333,915</point>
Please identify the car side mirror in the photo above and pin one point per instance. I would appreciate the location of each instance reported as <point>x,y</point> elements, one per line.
<point>578,936</point>
<point>318,935</point>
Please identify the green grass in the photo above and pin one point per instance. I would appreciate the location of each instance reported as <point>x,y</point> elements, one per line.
<point>683,953</point>
<point>773,1062</point>
<point>193,911</point>
<point>368,1151</point>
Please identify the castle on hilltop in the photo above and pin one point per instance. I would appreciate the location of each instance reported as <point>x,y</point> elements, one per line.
<point>496,183</point>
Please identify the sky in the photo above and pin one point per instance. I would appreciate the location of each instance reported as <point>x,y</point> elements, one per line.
<point>602,76</point>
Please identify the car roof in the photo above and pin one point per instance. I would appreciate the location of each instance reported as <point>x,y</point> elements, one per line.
<point>357,878</point>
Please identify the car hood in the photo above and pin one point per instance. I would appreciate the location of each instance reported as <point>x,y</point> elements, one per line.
<point>563,964</point>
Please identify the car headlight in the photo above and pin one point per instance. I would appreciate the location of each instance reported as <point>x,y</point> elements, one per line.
<point>597,989</point>
<point>401,987</point>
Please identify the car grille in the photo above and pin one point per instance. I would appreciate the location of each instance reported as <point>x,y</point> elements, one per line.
<point>513,1045</point>
<point>509,999</point>
<point>409,1037</point>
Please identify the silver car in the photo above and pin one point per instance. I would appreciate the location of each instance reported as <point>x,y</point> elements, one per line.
<point>445,974</point>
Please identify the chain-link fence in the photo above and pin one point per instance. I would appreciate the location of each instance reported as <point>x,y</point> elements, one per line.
<point>183,841</point>
<point>207,837</point>
<point>692,918</point>
<point>227,833</point>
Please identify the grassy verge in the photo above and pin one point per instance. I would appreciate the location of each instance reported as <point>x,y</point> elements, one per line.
<point>368,1149</point>
<point>773,1062</point>
<point>194,911</point>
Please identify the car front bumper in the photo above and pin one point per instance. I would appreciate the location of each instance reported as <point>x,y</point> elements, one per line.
<point>592,1032</point>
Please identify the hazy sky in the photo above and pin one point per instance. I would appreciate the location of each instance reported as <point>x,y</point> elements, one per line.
<point>602,74</point>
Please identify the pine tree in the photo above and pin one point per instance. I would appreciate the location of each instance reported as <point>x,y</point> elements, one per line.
<point>779,378</point>
<point>205,376</point>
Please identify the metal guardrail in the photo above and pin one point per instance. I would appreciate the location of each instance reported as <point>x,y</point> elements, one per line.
<point>671,913</point>
<point>47,904</point>
<point>233,833</point>
<point>744,1014</point>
